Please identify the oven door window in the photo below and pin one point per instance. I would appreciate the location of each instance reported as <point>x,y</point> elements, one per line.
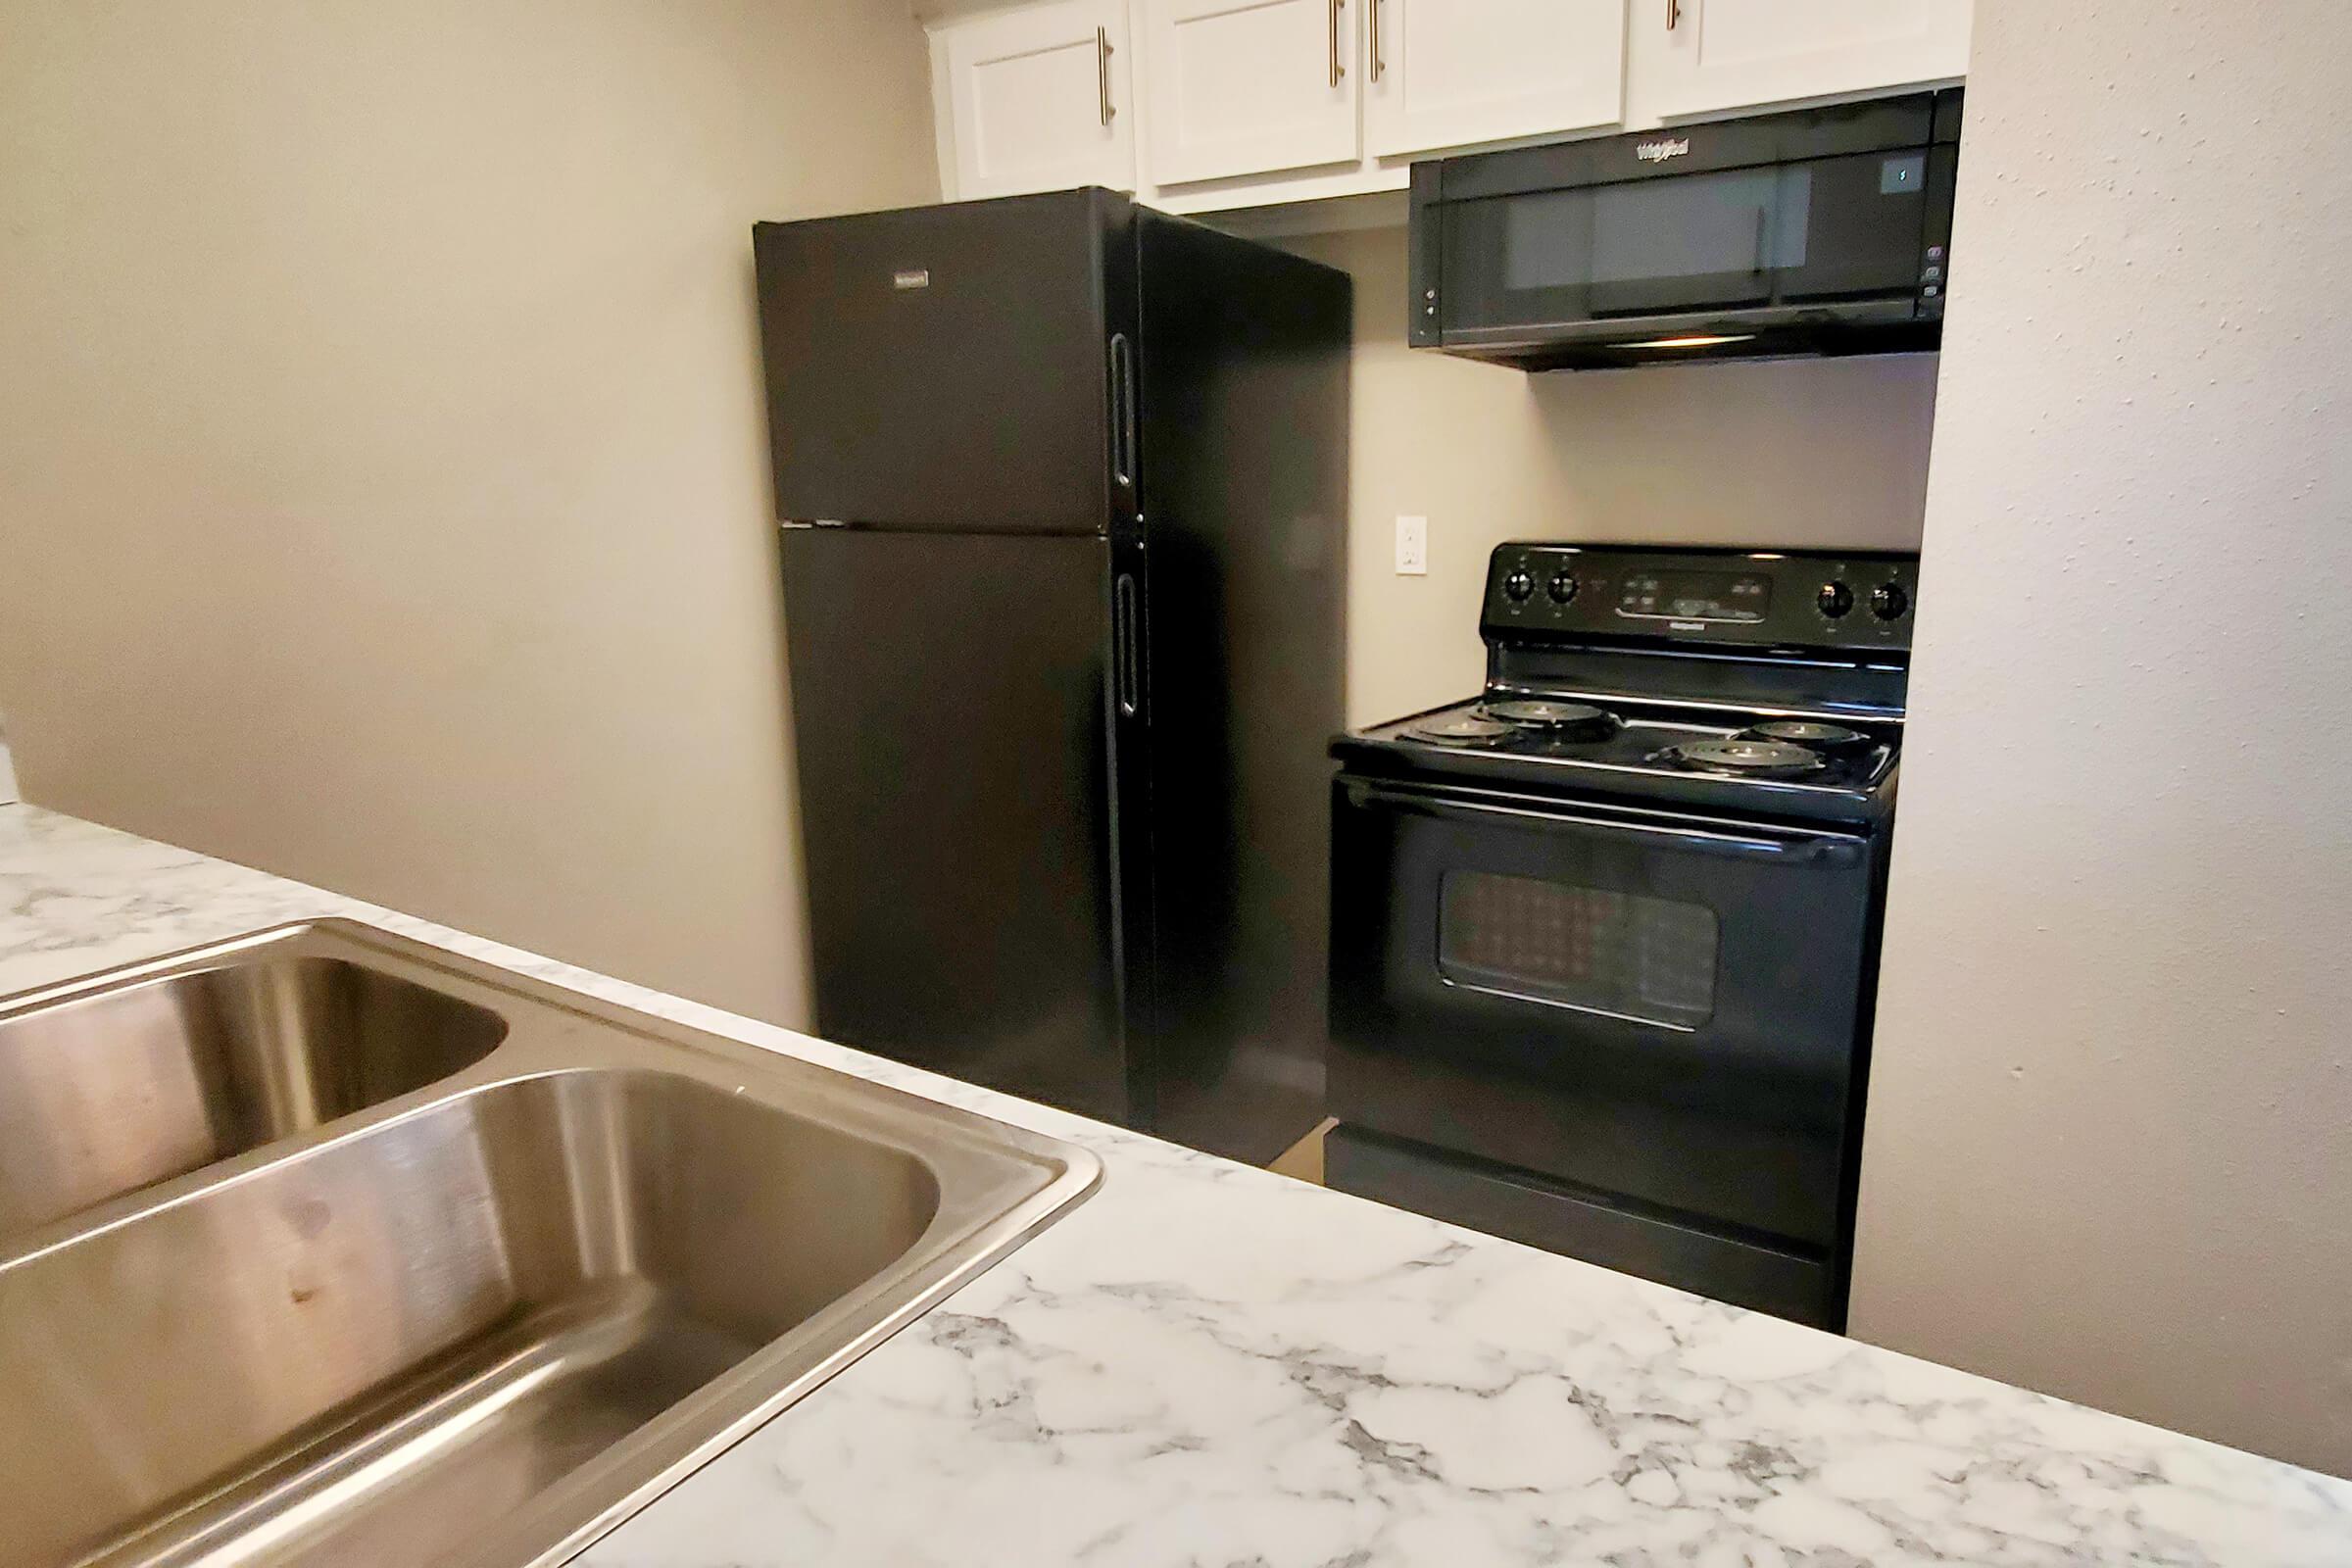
<point>1596,949</point>
<point>1822,229</point>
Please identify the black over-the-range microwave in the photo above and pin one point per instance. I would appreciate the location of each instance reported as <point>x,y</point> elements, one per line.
<point>1819,231</point>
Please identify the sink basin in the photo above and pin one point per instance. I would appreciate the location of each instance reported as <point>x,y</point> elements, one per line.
<point>127,1086</point>
<point>470,1269</point>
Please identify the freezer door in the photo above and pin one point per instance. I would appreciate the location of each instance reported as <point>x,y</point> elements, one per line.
<point>953,734</point>
<point>943,368</point>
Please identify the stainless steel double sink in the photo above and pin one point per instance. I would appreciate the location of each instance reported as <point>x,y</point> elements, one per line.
<point>323,1245</point>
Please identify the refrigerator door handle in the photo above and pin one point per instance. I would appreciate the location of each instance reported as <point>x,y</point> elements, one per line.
<point>1127,645</point>
<point>1122,410</point>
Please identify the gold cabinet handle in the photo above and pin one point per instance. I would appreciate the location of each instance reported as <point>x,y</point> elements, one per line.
<point>1380,66</point>
<point>1674,13</point>
<point>1337,70</point>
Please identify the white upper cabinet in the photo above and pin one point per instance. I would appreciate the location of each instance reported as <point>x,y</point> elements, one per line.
<point>1693,57</point>
<point>1239,102</point>
<point>1451,73</point>
<point>1037,99</point>
<point>1248,86</point>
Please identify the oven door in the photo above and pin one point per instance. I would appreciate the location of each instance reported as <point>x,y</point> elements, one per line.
<point>1641,1006</point>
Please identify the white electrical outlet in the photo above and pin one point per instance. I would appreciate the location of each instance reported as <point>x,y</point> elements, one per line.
<point>1413,546</point>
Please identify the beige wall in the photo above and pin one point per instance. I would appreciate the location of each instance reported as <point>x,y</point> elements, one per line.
<point>1831,453</point>
<point>2110,1127</point>
<point>382,486</point>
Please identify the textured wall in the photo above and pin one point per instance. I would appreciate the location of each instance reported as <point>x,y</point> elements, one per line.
<point>1831,453</point>
<point>382,486</point>
<point>2108,1151</point>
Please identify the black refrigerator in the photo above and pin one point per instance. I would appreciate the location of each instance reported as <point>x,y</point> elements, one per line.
<point>1063,491</point>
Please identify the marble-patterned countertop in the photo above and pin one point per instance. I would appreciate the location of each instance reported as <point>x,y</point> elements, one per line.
<point>1209,1364</point>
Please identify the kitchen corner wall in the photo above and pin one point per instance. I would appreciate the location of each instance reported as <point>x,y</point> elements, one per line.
<point>2108,1151</point>
<point>384,488</point>
<point>1828,453</point>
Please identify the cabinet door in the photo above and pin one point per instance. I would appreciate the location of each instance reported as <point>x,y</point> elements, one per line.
<point>1448,72</point>
<point>1695,56</point>
<point>1038,99</point>
<point>1250,86</point>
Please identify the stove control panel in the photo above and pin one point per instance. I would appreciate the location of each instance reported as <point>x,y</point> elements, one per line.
<point>1797,599</point>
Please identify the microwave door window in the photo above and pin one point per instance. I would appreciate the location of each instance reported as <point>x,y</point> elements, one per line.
<point>1639,248</point>
<point>1693,241</point>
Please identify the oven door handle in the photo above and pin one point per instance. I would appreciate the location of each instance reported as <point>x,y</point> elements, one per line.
<point>1787,846</point>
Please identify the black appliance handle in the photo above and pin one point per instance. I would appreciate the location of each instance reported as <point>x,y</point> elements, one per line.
<point>1127,645</point>
<point>1788,846</point>
<point>1122,410</point>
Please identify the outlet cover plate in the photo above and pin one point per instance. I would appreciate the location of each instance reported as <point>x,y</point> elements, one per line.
<point>1413,546</point>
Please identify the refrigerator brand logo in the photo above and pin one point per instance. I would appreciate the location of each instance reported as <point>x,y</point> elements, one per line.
<point>911,278</point>
<point>1657,152</point>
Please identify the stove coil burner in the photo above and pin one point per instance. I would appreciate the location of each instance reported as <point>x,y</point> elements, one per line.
<point>1566,720</point>
<point>1459,729</point>
<point>1748,759</point>
<point>1808,733</point>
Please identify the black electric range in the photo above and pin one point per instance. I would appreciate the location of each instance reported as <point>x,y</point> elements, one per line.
<point>1604,937</point>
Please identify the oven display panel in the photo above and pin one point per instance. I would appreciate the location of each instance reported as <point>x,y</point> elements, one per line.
<point>1695,596</point>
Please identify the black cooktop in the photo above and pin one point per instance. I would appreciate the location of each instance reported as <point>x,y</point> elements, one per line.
<point>1741,759</point>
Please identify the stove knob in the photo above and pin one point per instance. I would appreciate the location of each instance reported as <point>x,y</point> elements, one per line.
<point>1562,588</point>
<point>1519,586</point>
<point>1835,599</point>
<point>1888,600</point>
